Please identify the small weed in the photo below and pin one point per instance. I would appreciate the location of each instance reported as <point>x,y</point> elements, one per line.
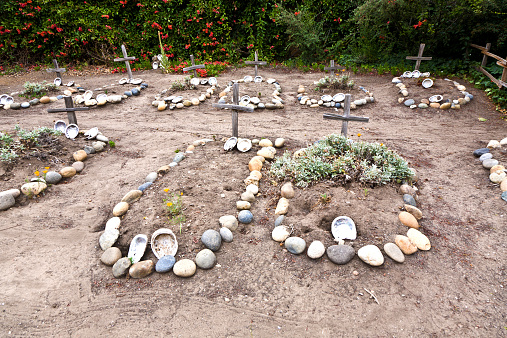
<point>177,151</point>
<point>37,89</point>
<point>325,198</point>
<point>174,207</point>
<point>112,144</point>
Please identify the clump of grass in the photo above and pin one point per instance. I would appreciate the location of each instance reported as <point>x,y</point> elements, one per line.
<point>339,158</point>
<point>335,82</point>
<point>37,89</point>
<point>173,205</point>
<point>182,85</point>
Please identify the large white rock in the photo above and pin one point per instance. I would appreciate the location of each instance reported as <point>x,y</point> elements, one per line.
<point>371,254</point>
<point>316,250</point>
<point>280,233</point>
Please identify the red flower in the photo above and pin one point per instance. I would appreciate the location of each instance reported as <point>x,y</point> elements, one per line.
<point>105,16</point>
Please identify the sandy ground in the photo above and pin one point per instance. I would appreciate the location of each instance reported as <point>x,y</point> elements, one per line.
<point>54,284</point>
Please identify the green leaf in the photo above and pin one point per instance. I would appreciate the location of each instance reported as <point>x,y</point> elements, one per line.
<point>482,119</point>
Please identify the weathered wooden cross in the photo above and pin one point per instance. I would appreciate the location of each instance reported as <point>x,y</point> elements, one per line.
<point>502,82</point>
<point>256,62</point>
<point>346,117</point>
<point>57,69</point>
<point>419,56</point>
<point>235,107</point>
<point>127,60</point>
<point>70,109</point>
<point>332,68</point>
<point>194,67</point>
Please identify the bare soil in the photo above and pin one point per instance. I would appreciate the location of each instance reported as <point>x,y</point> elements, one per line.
<point>53,282</point>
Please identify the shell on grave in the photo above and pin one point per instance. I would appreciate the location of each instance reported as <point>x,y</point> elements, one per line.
<point>436,98</point>
<point>72,131</point>
<point>326,98</point>
<point>427,74</point>
<point>60,126</point>
<point>343,227</point>
<point>247,79</point>
<point>136,81</point>
<point>271,81</point>
<point>407,74</point>
<point>416,74</point>
<point>70,84</point>
<point>177,99</point>
<point>230,143</point>
<point>92,133</point>
<point>164,243</point>
<point>155,65</point>
<point>244,145</point>
<point>212,81</point>
<point>245,99</point>
<point>257,79</point>
<point>57,82</point>
<point>339,97</point>
<point>204,81</point>
<point>3,99</point>
<point>123,81</point>
<point>101,97</point>
<point>194,81</point>
<point>137,248</point>
<point>87,95</point>
<point>427,83</point>
<point>159,57</point>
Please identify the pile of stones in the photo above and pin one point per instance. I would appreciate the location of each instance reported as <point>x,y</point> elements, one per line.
<point>332,101</point>
<point>254,101</point>
<point>497,171</point>
<point>37,185</point>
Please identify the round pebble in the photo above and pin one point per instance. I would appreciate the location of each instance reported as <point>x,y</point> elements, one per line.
<point>144,186</point>
<point>340,254</point>
<point>135,91</point>
<point>141,269</point>
<point>226,234</point>
<point>184,268</point>
<point>52,177</point>
<point>371,254</point>
<point>128,93</point>
<point>279,220</point>
<point>280,233</point>
<point>409,102</point>
<point>316,250</point>
<point>408,199</point>
<point>504,196</point>
<point>394,252</point>
<point>486,156</point>
<point>89,150</point>
<point>121,267</point>
<point>211,239</point>
<point>489,163</point>
<point>110,256</point>
<point>245,216</point>
<point>480,152</point>
<point>229,221</point>
<point>165,264</point>
<point>79,166</point>
<point>205,259</point>
<point>151,177</point>
<point>295,245</point>
<point>6,201</point>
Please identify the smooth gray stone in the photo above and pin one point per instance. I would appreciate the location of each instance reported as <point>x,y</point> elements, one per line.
<point>394,252</point>
<point>212,239</point>
<point>110,256</point>
<point>504,196</point>
<point>179,157</point>
<point>152,177</point>
<point>6,201</point>
<point>226,234</point>
<point>480,152</point>
<point>408,199</point>
<point>489,163</point>
<point>108,238</point>
<point>279,220</point>
<point>409,102</point>
<point>144,186</point>
<point>485,156</point>
<point>245,216</point>
<point>89,150</point>
<point>121,267</point>
<point>295,245</point>
<point>25,105</point>
<point>52,177</point>
<point>205,259</point>
<point>165,264</point>
<point>340,254</point>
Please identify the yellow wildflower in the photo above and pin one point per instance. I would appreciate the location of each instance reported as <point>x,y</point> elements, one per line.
<point>47,168</point>
<point>166,189</point>
<point>181,193</point>
<point>44,171</point>
<point>169,204</point>
<point>36,173</point>
<point>358,134</point>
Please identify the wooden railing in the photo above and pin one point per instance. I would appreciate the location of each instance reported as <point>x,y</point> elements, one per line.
<point>501,62</point>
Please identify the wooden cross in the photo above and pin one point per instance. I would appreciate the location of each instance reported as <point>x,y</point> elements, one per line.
<point>419,56</point>
<point>256,62</point>
<point>127,60</point>
<point>346,117</point>
<point>193,67</point>
<point>57,69</point>
<point>501,62</point>
<point>235,107</point>
<point>69,108</point>
<point>332,67</point>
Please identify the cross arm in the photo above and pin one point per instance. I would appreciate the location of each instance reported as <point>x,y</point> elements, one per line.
<point>419,58</point>
<point>62,110</point>
<point>129,58</point>
<point>346,118</point>
<point>233,106</point>
<point>258,63</point>
<point>186,69</point>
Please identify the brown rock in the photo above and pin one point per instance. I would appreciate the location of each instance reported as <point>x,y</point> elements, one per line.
<point>68,172</point>
<point>426,101</point>
<point>120,209</point>
<point>266,153</point>
<point>141,269</point>
<point>260,158</point>
<point>110,256</point>
<point>496,167</point>
<point>191,147</point>
<point>255,164</point>
<point>243,205</point>
<point>80,155</point>
<point>408,219</point>
<point>405,245</point>
<point>163,169</point>
<point>265,143</point>
<point>251,180</point>
<point>446,105</point>
<point>503,185</point>
<point>45,99</point>
<point>414,211</point>
<point>282,207</point>
<point>407,189</point>
<point>435,105</point>
<point>419,239</point>
<point>256,173</point>
<point>287,190</point>
<point>132,196</point>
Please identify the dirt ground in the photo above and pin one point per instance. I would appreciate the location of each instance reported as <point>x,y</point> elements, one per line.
<point>53,282</point>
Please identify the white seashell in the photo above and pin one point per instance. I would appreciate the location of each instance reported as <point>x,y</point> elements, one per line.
<point>326,98</point>
<point>244,145</point>
<point>255,100</point>
<point>92,133</point>
<point>427,83</point>
<point>71,131</point>
<point>194,81</point>
<point>60,126</point>
<point>101,97</point>
<point>164,243</point>
<point>136,81</point>
<point>407,74</point>
<point>247,79</point>
<point>343,227</point>
<point>416,74</point>
<point>212,81</point>
<point>155,65</point>
<point>123,81</point>
<point>70,84</point>
<point>57,81</point>
<point>339,97</point>
<point>271,81</point>
<point>436,98</point>
<point>137,248</point>
<point>204,81</point>
<point>257,79</point>
<point>87,95</point>
<point>245,99</point>
<point>230,143</point>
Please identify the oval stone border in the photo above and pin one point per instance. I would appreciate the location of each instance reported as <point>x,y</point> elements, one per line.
<point>305,99</point>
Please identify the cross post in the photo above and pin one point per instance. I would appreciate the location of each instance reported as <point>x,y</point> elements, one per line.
<point>256,62</point>
<point>235,108</point>
<point>346,117</point>
<point>69,108</point>
<point>332,68</point>
<point>57,69</point>
<point>193,67</point>
<point>419,57</point>
<point>127,60</point>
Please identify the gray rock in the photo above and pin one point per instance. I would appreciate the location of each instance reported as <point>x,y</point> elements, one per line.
<point>279,220</point>
<point>165,264</point>
<point>485,156</point>
<point>504,196</point>
<point>423,105</point>
<point>340,254</point>
<point>79,166</point>
<point>179,157</point>
<point>121,267</point>
<point>110,256</point>
<point>248,196</point>
<point>295,245</point>
<point>14,192</point>
<point>409,102</point>
<point>25,105</point>
<point>6,201</point>
<point>151,177</point>
<point>89,150</point>
<point>98,146</point>
<point>226,234</point>
<point>144,186</point>
<point>135,91</point>
<point>394,252</point>
<point>408,199</point>
<point>15,105</point>
<point>245,216</point>
<point>108,238</point>
<point>205,259</point>
<point>480,152</point>
<point>52,177</point>
<point>211,239</point>
<point>489,163</point>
